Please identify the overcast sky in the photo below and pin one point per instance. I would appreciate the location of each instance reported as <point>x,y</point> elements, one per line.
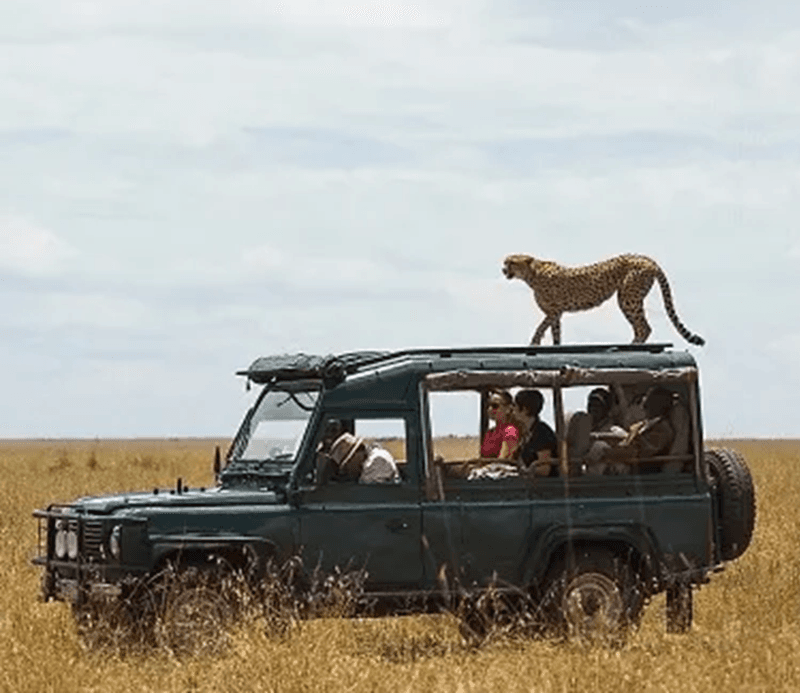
<point>186,185</point>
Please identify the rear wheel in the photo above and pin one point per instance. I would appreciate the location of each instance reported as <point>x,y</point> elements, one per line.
<point>594,594</point>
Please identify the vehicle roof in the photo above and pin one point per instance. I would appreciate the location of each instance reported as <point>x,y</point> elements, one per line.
<point>336,369</point>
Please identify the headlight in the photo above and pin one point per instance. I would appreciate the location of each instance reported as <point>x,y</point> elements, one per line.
<point>72,543</point>
<point>114,543</point>
<point>60,543</point>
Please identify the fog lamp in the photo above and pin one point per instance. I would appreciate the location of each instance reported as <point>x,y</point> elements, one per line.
<point>114,542</point>
<point>72,543</point>
<point>60,543</point>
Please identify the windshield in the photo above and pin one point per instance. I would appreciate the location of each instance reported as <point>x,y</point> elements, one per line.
<point>275,427</point>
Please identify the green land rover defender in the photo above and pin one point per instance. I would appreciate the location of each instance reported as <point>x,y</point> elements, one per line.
<point>587,540</point>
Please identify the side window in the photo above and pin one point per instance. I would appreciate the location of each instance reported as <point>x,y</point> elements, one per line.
<point>494,434</point>
<point>455,424</point>
<point>390,434</point>
<point>627,429</point>
<point>362,450</point>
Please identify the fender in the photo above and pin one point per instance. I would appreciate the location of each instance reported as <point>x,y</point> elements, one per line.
<point>254,550</point>
<point>633,535</point>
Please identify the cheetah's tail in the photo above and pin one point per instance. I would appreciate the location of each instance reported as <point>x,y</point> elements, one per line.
<point>673,316</point>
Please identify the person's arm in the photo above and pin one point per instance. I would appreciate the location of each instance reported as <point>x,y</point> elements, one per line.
<point>543,463</point>
<point>616,434</point>
<point>510,441</point>
<point>655,440</point>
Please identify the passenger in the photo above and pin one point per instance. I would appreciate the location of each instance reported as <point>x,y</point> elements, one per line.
<point>603,432</point>
<point>538,447</point>
<point>649,437</point>
<point>598,404</point>
<point>501,441</point>
<point>333,430</point>
<point>365,462</point>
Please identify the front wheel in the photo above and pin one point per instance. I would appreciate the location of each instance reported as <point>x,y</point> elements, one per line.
<point>195,613</point>
<point>594,594</point>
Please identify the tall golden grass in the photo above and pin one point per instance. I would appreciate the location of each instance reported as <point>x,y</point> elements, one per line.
<point>746,634</point>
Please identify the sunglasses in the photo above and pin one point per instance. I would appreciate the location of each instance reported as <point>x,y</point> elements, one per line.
<point>494,405</point>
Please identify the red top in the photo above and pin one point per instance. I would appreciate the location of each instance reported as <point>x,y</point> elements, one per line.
<point>494,438</point>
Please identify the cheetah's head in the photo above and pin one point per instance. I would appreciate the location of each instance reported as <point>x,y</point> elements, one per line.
<point>517,266</point>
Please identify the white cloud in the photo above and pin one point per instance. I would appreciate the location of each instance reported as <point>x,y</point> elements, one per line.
<point>371,13</point>
<point>30,249</point>
<point>306,271</point>
<point>152,69</point>
<point>786,351</point>
<point>417,144</point>
<point>95,310</point>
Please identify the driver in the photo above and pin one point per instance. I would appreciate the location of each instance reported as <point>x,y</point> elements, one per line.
<point>358,460</point>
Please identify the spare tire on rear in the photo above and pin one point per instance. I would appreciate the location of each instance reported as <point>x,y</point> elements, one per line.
<point>735,500</point>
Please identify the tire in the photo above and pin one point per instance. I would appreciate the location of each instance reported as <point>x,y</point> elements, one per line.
<point>195,614</point>
<point>735,498</point>
<point>593,594</point>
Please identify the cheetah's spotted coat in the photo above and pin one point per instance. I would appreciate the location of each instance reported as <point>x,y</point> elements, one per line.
<point>558,289</point>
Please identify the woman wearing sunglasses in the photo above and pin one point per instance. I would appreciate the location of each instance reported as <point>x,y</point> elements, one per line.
<point>501,441</point>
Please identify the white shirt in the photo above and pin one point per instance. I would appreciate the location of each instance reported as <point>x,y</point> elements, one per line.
<point>379,468</point>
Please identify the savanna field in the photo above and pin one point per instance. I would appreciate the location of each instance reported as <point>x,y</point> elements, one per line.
<point>746,633</point>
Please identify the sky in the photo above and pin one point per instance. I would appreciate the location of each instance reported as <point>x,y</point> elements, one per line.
<point>185,186</point>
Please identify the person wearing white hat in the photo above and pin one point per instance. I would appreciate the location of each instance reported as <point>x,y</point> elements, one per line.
<point>357,459</point>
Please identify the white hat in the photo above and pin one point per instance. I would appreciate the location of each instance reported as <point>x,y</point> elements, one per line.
<point>343,449</point>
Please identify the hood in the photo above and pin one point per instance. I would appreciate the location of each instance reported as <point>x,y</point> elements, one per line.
<point>103,505</point>
<point>265,474</point>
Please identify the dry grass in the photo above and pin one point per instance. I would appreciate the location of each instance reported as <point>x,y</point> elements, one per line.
<point>746,634</point>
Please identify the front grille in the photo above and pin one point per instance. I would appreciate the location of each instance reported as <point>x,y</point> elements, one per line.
<point>93,540</point>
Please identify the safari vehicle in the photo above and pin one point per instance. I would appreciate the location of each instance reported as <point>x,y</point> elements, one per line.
<point>586,546</point>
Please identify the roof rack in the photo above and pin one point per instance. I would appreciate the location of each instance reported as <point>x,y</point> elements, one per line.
<point>653,348</point>
<point>335,367</point>
<point>308,366</point>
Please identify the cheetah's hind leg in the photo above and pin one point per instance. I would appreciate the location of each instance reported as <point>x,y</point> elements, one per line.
<point>631,302</point>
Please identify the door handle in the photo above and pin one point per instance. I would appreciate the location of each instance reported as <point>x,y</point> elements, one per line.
<point>396,525</point>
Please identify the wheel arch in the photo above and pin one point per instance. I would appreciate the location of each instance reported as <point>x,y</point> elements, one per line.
<point>248,554</point>
<point>632,541</point>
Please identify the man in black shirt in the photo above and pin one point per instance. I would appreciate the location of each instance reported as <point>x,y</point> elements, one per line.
<point>538,447</point>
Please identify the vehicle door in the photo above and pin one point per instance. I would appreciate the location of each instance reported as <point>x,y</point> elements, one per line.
<point>475,528</point>
<point>376,526</point>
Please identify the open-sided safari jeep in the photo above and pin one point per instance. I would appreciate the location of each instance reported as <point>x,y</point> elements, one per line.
<point>584,545</point>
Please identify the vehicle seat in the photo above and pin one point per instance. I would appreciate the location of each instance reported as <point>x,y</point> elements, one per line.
<point>679,419</point>
<point>579,427</point>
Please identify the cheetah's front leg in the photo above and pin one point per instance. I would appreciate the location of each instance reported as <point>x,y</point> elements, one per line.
<point>555,328</point>
<point>554,323</point>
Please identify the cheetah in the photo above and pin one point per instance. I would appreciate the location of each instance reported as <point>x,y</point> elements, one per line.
<point>558,289</point>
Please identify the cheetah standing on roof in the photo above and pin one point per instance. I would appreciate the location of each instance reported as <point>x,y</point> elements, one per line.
<point>558,289</point>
